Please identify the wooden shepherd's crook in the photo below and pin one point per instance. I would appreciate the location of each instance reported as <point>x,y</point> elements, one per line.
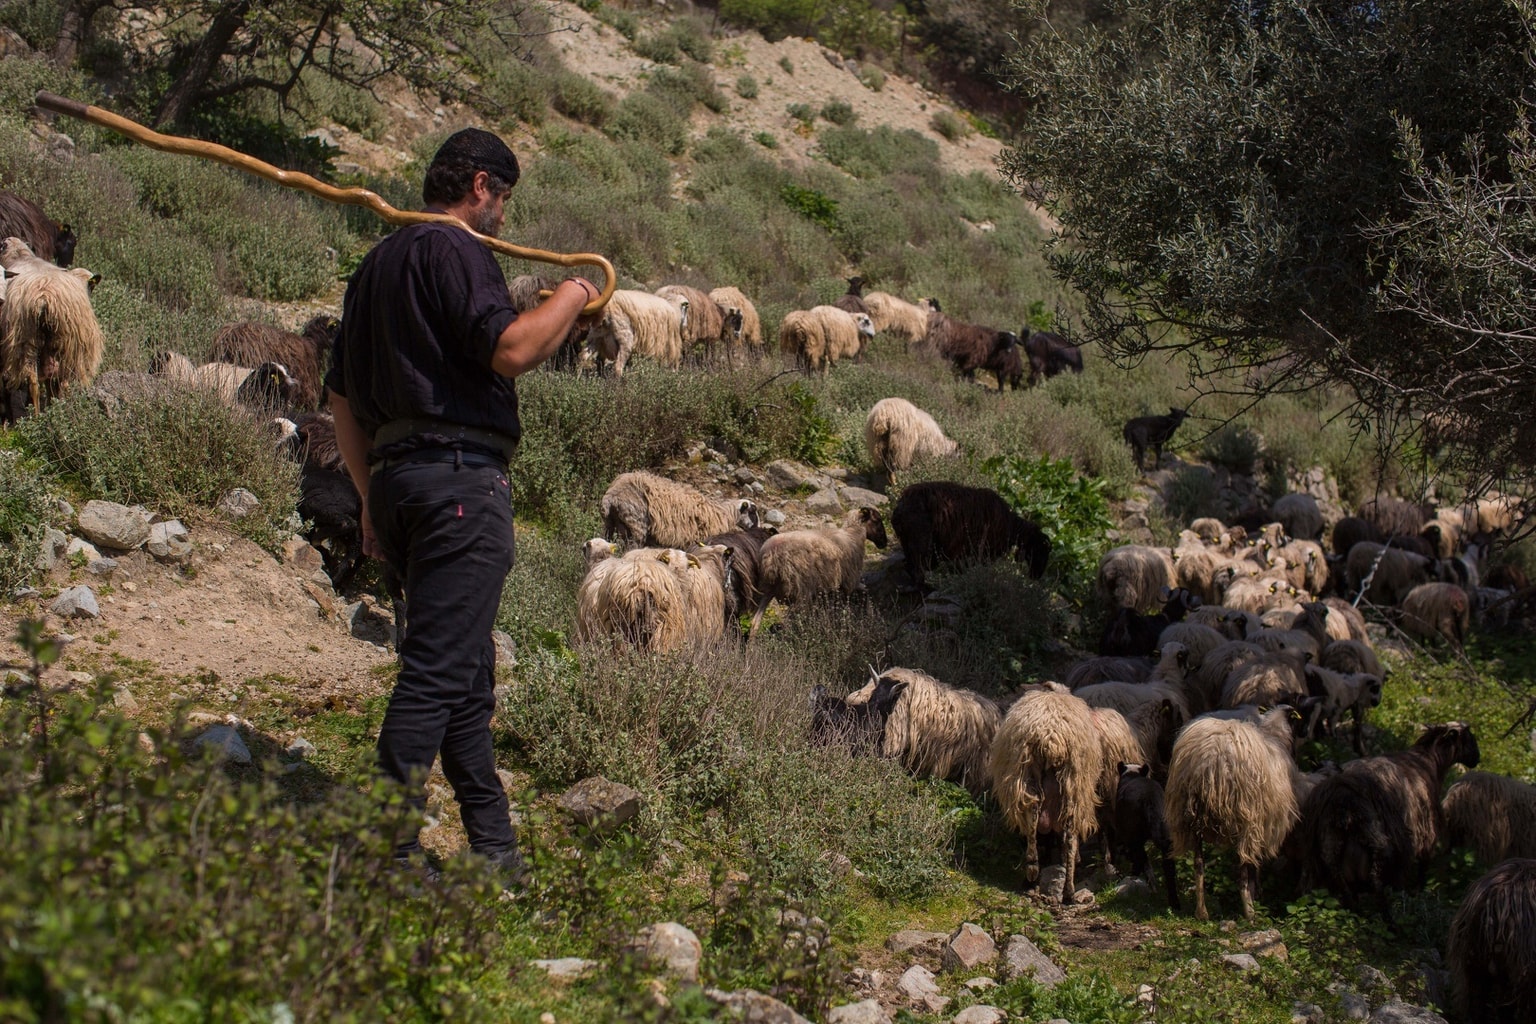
<point>296,179</point>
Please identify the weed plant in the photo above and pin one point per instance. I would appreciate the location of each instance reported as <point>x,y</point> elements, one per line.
<point>25,510</point>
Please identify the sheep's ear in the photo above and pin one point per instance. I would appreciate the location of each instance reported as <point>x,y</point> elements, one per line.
<point>1164,593</point>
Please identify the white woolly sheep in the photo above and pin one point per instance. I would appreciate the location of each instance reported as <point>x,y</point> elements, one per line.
<point>48,330</point>
<point>1299,514</point>
<point>1396,572</point>
<point>798,565</point>
<point>705,320</point>
<point>1258,595</point>
<point>1438,610</point>
<point>820,336</point>
<point>637,323</point>
<point>1493,815</point>
<point>744,326</point>
<point>1344,620</point>
<point>897,317</point>
<point>897,433</point>
<point>1046,768</point>
<point>940,731</point>
<point>657,599</point>
<point>1232,783</point>
<point>1273,678</point>
<point>1490,947</point>
<point>642,508</point>
<point>1133,576</point>
<point>1355,692</point>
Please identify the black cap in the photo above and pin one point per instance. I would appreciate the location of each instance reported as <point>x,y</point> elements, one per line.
<point>482,150</point>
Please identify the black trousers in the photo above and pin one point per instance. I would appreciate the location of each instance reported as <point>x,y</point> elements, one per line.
<point>446,529</point>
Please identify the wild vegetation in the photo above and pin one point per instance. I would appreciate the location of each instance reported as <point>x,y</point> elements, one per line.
<point>140,883</point>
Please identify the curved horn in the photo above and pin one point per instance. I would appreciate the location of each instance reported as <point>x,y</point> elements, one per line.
<point>331,193</point>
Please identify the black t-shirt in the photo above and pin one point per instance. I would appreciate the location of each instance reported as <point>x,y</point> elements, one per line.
<point>419,326</point>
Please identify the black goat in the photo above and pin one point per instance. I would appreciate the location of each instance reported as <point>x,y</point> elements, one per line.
<point>1153,432</point>
<point>859,727</point>
<point>1131,635</point>
<point>1049,354</point>
<point>1138,820</point>
<point>852,300</point>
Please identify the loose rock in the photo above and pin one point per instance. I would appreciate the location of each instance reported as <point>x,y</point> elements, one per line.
<point>1264,943</point>
<point>54,543</point>
<point>776,518</point>
<point>918,985</point>
<point>76,603</point>
<point>1307,1013</point>
<point>1053,882</point>
<point>869,1011</point>
<point>1023,959</point>
<point>858,497</point>
<point>672,946</point>
<point>301,555</point>
<point>1354,1005</point>
<point>599,804</point>
<point>745,475</point>
<point>124,701</point>
<point>169,542</point>
<point>238,503</point>
<point>1240,962</point>
<point>112,525</point>
<point>225,742</point>
<point>824,502</point>
<point>506,648</point>
<point>790,476</point>
<point>755,1008</point>
<point>980,984</point>
<point>102,567</point>
<point>911,939</point>
<point>980,1014</point>
<point>80,546</point>
<point>300,748</point>
<point>1395,1012</point>
<point>967,948</point>
<point>566,968</point>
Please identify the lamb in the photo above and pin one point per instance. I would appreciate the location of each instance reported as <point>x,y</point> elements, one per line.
<point>1129,634</point>
<point>941,519</point>
<point>1377,823</point>
<point>636,323</point>
<point>1049,354</point>
<point>1396,572</point>
<point>1493,815</point>
<point>704,319</point>
<point>1153,432</point>
<point>1132,576</point>
<point>897,317</point>
<point>1046,764</point>
<point>897,433</point>
<point>641,508</point>
<point>852,301</point>
<point>1299,514</point>
<point>332,511</point>
<point>653,598</point>
<point>820,336</point>
<point>48,239</point>
<point>1489,949</point>
<point>48,330</point>
<point>1438,610</point>
<point>746,549</point>
<point>1138,820</point>
<point>967,347</point>
<point>939,731</point>
<point>1199,640</point>
<point>1355,692</point>
<point>744,328</point>
<point>1232,783</point>
<point>304,356</point>
<point>798,565</point>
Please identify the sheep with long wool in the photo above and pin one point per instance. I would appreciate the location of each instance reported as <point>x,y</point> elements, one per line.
<point>1046,767</point>
<point>896,317</point>
<point>48,330</point>
<point>1491,948</point>
<point>641,508</point>
<point>1231,784</point>
<point>1134,576</point>
<point>744,328</point>
<point>898,433</point>
<point>940,731</point>
<point>705,327</point>
<point>818,337</point>
<point>47,238</point>
<point>1438,611</point>
<point>649,597</point>
<point>1272,678</point>
<point>1299,514</point>
<point>796,566</point>
<point>1493,815</point>
<point>304,356</point>
<point>937,519</point>
<point>636,323</point>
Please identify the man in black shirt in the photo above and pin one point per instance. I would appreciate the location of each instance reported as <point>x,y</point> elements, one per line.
<point>422,388</point>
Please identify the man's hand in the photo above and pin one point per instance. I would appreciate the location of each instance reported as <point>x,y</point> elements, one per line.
<point>370,542</point>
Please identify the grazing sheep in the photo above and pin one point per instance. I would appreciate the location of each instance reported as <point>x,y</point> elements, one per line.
<point>332,512</point>
<point>1396,572</point>
<point>1107,670</point>
<point>1490,947</point>
<point>1272,678</point>
<point>940,731</point>
<point>1350,657</point>
<point>1356,693</point>
<point>1046,765</point>
<point>1232,783</point>
<point>1007,366</point>
<point>652,598</point>
<point>852,300</point>
<point>1133,635</point>
<point>1153,432</point>
<point>746,549</point>
<point>1229,622</point>
<point>1377,823</point>
<point>1344,620</point>
<point>897,433</point>
<point>1438,610</point>
<point>744,328</point>
<point>305,356</point>
<point>941,519</point>
<point>1299,514</point>
<point>48,239</point>
<point>1493,515</point>
<point>1392,516</point>
<point>1258,595</point>
<point>636,323</point>
<point>1493,815</point>
<point>1049,354</point>
<point>897,317</point>
<point>1352,530</point>
<point>797,566</point>
<point>820,336</point>
<point>525,292</point>
<point>48,330</point>
<point>705,320</point>
<point>1132,576</point>
<point>1139,819</point>
<point>641,508</point>
<point>859,725</point>
<point>967,347</point>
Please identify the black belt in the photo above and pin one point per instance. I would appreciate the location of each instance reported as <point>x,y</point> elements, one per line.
<point>454,456</point>
<point>399,430</point>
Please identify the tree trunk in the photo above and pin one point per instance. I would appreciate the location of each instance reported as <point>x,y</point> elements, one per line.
<point>210,50</point>
<point>73,29</point>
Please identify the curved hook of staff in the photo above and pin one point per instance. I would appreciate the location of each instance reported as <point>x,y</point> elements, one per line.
<point>297,179</point>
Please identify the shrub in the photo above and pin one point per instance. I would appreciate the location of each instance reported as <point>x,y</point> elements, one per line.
<point>685,86</point>
<point>177,454</point>
<point>746,87</point>
<point>1193,494</point>
<point>24,511</point>
<point>814,206</point>
<point>643,117</point>
<point>801,112</point>
<point>872,154</point>
<point>951,126</point>
<point>1234,447</point>
<point>1071,509</point>
<point>787,64</point>
<point>872,77</point>
<point>766,140</point>
<point>578,97</point>
<point>623,21</point>
<point>838,112</point>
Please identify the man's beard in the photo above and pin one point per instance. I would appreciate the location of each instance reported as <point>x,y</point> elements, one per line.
<point>484,221</point>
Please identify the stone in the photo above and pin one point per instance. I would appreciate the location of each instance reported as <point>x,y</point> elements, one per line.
<point>66,509</point>
<point>1023,959</point>
<point>824,502</point>
<point>367,621</point>
<point>751,1007</point>
<point>868,1011</point>
<point>225,742</point>
<point>1396,1012</point>
<point>566,968</point>
<point>790,476</point>
<point>1146,995</point>
<point>919,986</point>
<point>169,542</point>
<point>1372,978</point>
<point>301,555</point>
<point>1053,882</point>
<point>968,947</point>
<point>858,497</point>
<point>980,1014</point>
<point>124,700</point>
<point>599,804</point>
<point>1264,943</point>
<point>1135,887</point>
<point>300,748</point>
<point>78,546</point>
<point>1354,1005</point>
<point>980,984</point>
<point>756,487</point>
<point>776,518</point>
<point>238,503</point>
<point>910,939</point>
<point>1307,1013</point>
<point>51,549</point>
<point>1240,961</point>
<point>102,566</point>
<point>506,648</point>
<point>745,475</point>
<point>114,526</point>
<point>673,947</point>
<point>76,603</point>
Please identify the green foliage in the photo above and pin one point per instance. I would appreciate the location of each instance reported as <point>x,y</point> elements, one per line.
<point>645,118</point>
<point>815,439</point>
<point>871,77</point>
<point>746,87</point>
<point>177,453</point>
<point>24,512</point>
<point>765,139</point>
<point>1235,447</point>
<point>839,112</point>
<point>1193,494</point>
<point>623,21</point>
<point>775,19</point>
<point>1071,509</point>
<point>804,113</point>
<point>680,39</point>
<point>811,204</point>
<point>577,96</point>
<point>881,151</point>
<point>1086,998</point>
<point>787,64</point>
<point>950,125</point>
<point>760,940</point>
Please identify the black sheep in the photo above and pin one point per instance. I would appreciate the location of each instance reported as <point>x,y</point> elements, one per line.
<point>941,519</point>
<point>744,545</point>
<point>1153,432</point>
<point>1007,366</point>
<point>859,727</point>
<point>1130,635</point>
<point>1492,947</point>
<point>1138,820</point>
<point>852,300</point>
<point>48,239</point>
<point>1049,354</point>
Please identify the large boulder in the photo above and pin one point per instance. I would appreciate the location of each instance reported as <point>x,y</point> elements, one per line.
<point>600,804</point>
<point>1023,959</point>
<point>115,527</point>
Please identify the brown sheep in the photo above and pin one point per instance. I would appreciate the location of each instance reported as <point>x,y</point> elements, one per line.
<point>48,239</point>
<point>941,519</point>
<point>305,356</point>
<point>797,566</point>
<point>967,347</point>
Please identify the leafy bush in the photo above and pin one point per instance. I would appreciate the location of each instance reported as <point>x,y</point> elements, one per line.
<point>692,83</point>
<point>24,512</point>
<point>804,113</point>
<point>1071,509</point>
<point>577,96</point>
<point>787,64</point>
<point>746,87</point>
<point>1235,447</point>
<point>643,117</point>
<point>625,22</point>
<point>872,77</point>
<point>766,140</point>
<point>177,453</point>
<point>838,112</point>
<point>950,125</point>
<point>775,19</point>
<point>1193,494</point>
<point>815,438</point>
<point>811,204</point>
<point>881,151</point>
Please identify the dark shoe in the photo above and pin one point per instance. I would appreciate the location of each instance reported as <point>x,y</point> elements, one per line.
<point>417,865</point>
<point>509,867</point>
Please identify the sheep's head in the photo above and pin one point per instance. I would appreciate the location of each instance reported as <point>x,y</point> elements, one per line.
<point>1031,546</point>
<point>64,246</point>
<point>874,527</point>
<point>1178,416</point>
<point>746,514</point>
<point>597,549</point>
<point>866,325</point>
<point>90,278</point>
<point>1452,742</point>
<point>269,385</point>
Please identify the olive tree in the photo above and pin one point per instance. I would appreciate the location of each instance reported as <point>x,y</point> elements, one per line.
<point>1311,193</point>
